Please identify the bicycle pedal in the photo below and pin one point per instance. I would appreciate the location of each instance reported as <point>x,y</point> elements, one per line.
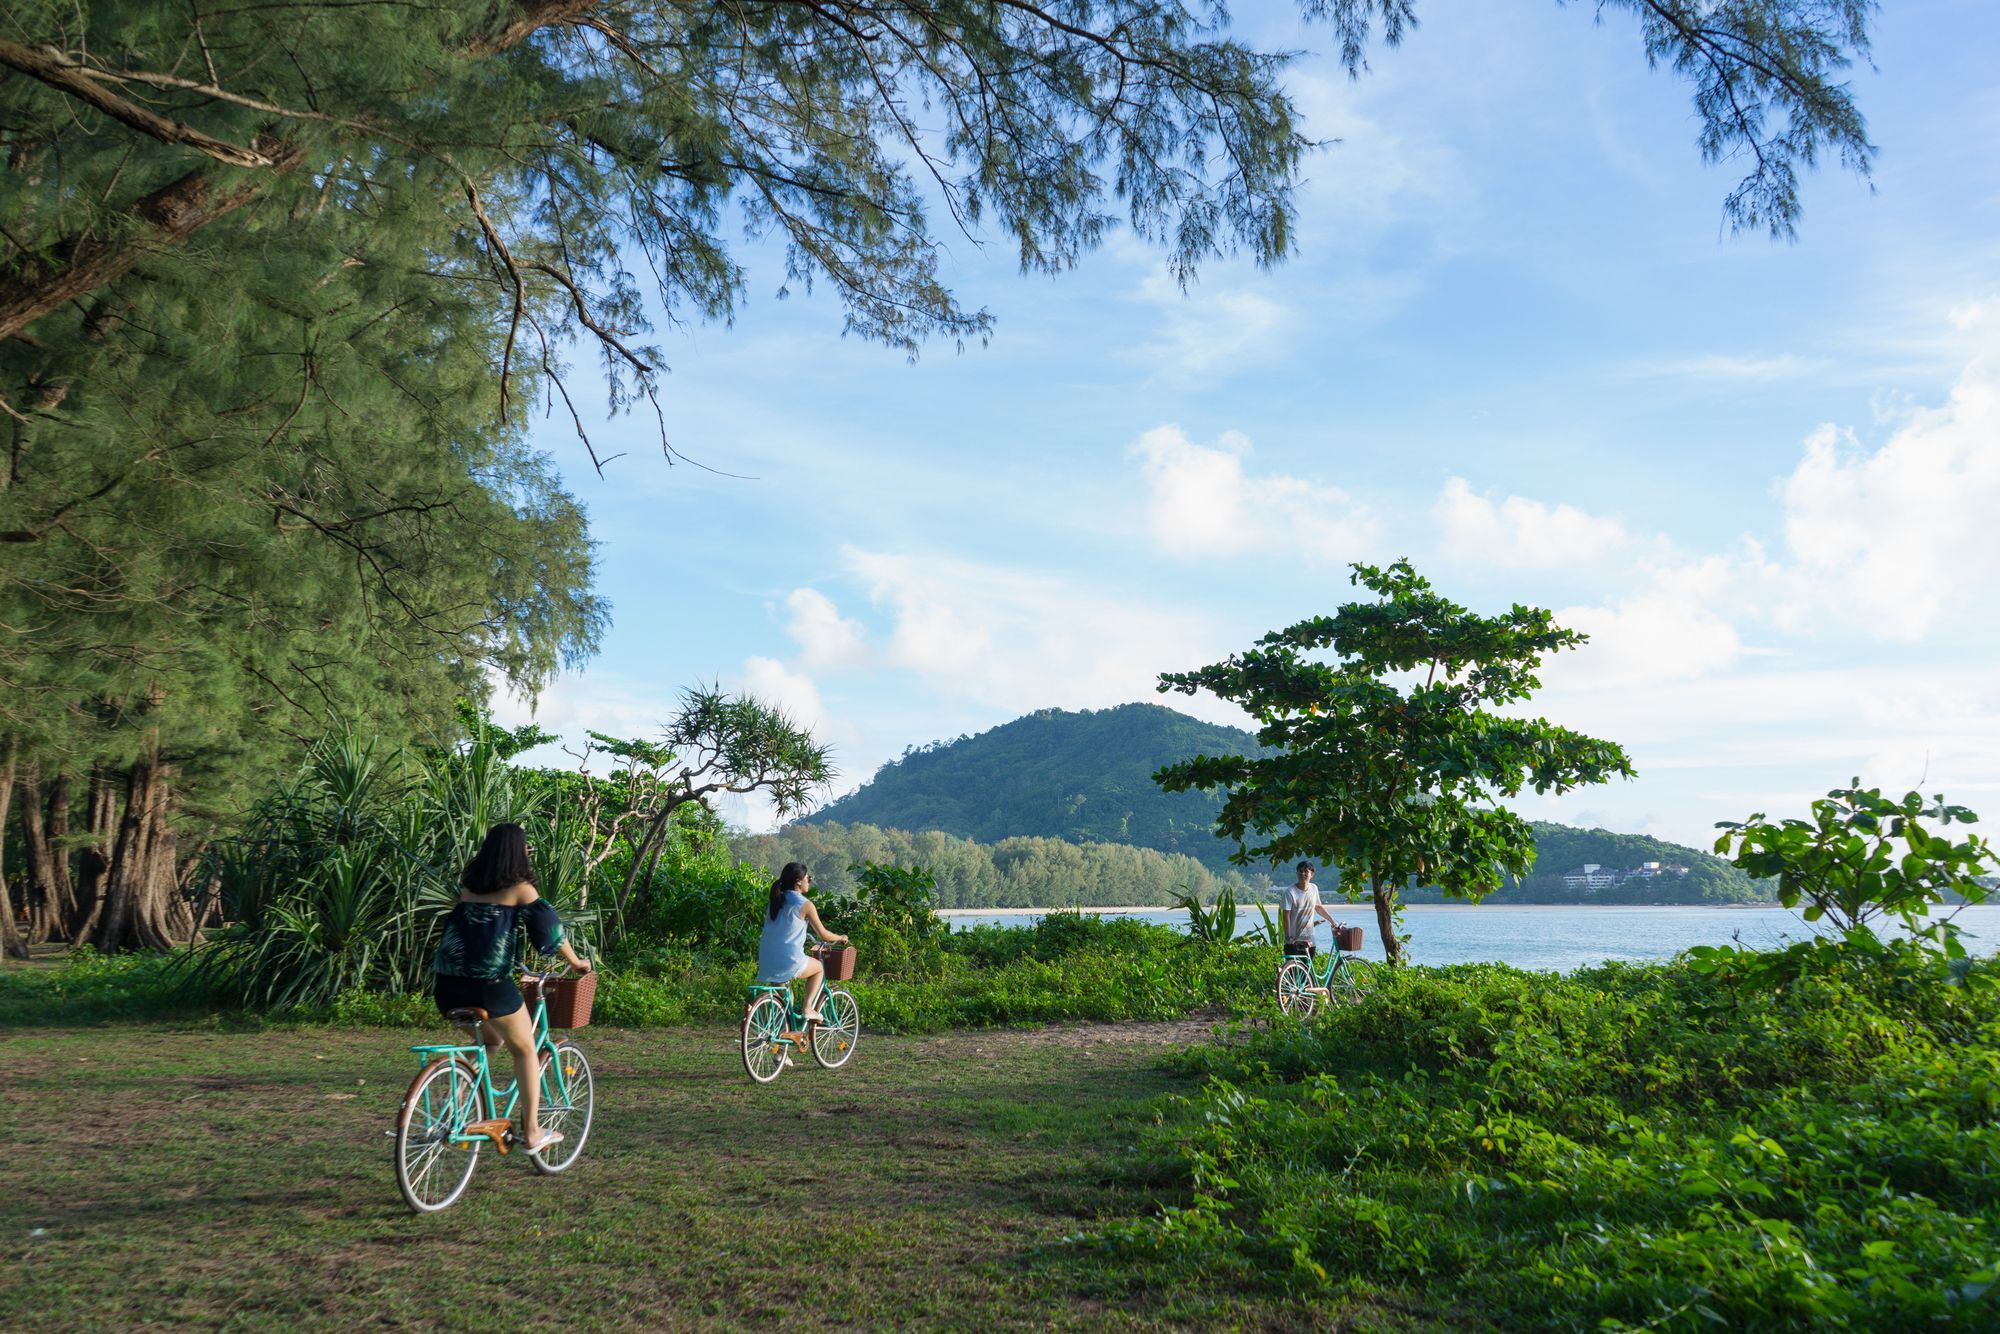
<point>499,1131</point>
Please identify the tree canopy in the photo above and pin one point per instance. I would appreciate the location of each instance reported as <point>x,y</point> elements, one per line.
<point>559,140</point>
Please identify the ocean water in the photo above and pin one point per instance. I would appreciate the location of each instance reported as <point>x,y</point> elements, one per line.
<point>1554,938</point>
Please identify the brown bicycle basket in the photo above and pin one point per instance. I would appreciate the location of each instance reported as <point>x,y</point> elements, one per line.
<point>568,998</point>
<point>838,960</point>
<point>1347,939</point>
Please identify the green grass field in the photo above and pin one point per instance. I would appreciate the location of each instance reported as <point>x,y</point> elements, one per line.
<point>243,1179</point>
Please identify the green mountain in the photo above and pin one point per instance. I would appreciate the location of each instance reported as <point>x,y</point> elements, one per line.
<point>1086,777</point>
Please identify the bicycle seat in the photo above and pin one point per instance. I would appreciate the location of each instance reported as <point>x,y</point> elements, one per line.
<point>466,1014</point>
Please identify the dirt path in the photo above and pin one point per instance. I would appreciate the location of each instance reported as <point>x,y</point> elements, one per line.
<point>244,1179</point>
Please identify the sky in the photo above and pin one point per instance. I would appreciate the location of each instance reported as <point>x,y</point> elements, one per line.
<point>1517,345</point>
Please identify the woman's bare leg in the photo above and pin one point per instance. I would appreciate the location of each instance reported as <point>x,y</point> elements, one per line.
<point>814,970</point>
<point>517,1030</point>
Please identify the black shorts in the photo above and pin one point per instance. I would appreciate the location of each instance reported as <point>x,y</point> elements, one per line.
<point>498,996</point>
<point>1300,949</point>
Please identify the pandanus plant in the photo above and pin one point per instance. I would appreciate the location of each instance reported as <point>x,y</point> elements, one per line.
<point>342,878</point>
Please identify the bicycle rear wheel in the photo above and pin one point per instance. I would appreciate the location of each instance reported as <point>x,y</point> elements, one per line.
<point>1296,994</point>
<point>763,1053</point>
<point>838,1029</point>
<point>569,1100</point>
<point>1354,979</point>
<point>431,1170</point>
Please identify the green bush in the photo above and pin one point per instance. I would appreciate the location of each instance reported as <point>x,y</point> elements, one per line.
<point>341,880</point>
<point>1620,1146</point>
<point>88,987</point>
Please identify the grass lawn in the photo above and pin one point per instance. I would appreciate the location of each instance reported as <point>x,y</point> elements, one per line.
<point>243,1179</point>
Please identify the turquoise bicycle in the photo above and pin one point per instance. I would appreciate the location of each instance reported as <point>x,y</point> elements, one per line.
<point>453,1108</point>
<point>1345,979</point>
<point>773,1029</point>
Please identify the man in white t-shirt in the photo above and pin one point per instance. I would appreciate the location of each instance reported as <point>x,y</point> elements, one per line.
<point>1297,907</point>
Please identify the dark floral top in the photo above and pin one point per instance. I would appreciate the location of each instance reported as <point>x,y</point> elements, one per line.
<point>480,940</point>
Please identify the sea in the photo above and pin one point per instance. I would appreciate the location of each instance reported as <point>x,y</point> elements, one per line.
<point>1554,938</point>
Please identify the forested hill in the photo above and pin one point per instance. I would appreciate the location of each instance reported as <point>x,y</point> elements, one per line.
<point>1012,873</point>
<point>1086,777</point>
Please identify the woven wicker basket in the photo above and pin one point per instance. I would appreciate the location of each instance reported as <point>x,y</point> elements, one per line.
<point>569,1000</point>
<point>838,961</point>
<point>1347,939</point>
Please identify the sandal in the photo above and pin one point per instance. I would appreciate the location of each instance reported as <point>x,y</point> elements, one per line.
<point>549,1141</point>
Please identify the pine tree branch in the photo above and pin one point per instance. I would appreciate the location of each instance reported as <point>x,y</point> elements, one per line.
<point>532,16</point>
<point>79,264</point>
<point>57,70</point>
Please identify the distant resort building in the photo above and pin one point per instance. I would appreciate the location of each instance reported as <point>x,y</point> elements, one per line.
<point>1591,877</point>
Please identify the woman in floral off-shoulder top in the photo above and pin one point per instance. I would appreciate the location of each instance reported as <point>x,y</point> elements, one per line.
<point>476,960</point>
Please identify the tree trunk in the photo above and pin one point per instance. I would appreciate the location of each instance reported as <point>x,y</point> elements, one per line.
<point>62,884</point>
<point>1385,919</point>
<point>143,907</point>
<point>44,827</point>
<point>655,835</point>
<point>94,862</point>
<point>10,938</point>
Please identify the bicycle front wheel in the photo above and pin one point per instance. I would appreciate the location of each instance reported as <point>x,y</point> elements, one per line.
<point>569,1100</point>
<point>838,1029</point>
<point>431,1170</point>
<point>1296,994</point>
<point>763,1052</point>
<point>1354,979</point>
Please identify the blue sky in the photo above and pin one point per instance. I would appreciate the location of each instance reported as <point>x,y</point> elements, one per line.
<point>1516,345</point>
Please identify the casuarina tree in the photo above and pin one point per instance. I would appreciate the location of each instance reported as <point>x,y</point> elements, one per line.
<point>1393,739</point>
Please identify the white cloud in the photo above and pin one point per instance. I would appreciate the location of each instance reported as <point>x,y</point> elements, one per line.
<point>1009,638</point>
<point>1903,534</point>
<point>1519,532</point>
<point>826,639</point>
<point>1209,329</point>
<point>572,707</point>
<point>1370,180</point>
<point>1727,368</point>
<point>1202,503</point>
<point>1674,628</point>
<point>792,691</point>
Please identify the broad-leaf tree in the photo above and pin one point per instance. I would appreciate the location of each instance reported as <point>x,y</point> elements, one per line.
<point>1391,750</point>
<point>1863,855</point>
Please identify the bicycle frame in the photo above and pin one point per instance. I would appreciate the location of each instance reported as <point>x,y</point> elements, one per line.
<point>1323,977</point>
<point>795,1020</point>
<point>480,1055</point>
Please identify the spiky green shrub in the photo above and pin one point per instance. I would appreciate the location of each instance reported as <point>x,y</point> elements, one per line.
<point>341,879</point>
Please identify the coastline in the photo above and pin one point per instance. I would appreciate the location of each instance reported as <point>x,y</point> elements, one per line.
<point>1408,907</point>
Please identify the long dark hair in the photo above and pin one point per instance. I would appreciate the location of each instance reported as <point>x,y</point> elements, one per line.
<point>787,881</point>
<point>501,862</point>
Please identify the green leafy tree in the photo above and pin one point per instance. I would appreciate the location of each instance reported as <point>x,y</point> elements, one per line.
<point>253,514</point>
<point>716,744</point>
<point>1388,757</point>
<point>1863,856</point>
